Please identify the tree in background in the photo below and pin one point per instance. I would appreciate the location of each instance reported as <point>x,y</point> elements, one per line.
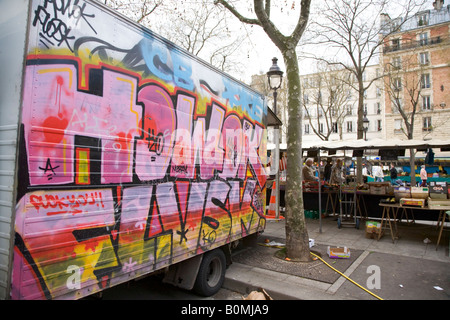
<point>200,28</point>
<point>325,97</point>
<point>352,30</point>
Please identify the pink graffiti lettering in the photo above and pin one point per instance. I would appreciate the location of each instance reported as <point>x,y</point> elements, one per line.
<point>162,135</point>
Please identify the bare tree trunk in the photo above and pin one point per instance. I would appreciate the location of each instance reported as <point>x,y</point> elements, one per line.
<point>297,239</point>
<point>412,160</point>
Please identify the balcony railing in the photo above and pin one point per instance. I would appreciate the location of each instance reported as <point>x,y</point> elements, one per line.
<point>412,44</point>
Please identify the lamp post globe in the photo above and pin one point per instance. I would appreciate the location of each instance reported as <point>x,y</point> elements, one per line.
<point>365,125</point>
<point>275,75</point>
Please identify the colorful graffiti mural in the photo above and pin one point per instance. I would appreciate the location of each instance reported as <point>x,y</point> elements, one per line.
<point>133,155</point>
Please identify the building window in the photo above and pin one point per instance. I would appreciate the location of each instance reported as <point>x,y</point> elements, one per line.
<point>426,103</point>
<point>349,126</point>
<point>422,19</point>
<point>305,99</point>
<point>427,124</point>
<point>320,127</point>
<point>424,58</point>
<point>397,83</point>
<point>398,126</point>
<point>349,94</point>
<point>334,127</point>
<point>395,25</point>
<point>396,105</point>
<point>378,108</point>
<point>378,92</point>
<point>423,39</point>
<point>425,81</point>
<point>397,62</point>
<point>349,109</point>
<point>333,112</point>
<point>379,125</point>
<point>395,44</point>
<point>306,128</point>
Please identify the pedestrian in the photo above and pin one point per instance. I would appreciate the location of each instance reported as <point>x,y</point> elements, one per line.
<point>423,176</point>
<point>308,171</point>
<point>283,161</point>
<point>377,172</point>
<point>336,173</point>
<point>393,172</point>
<point>327,171</point>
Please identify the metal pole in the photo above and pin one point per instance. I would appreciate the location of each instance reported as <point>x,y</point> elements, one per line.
<point>320,195</point>
<point>277,160</point>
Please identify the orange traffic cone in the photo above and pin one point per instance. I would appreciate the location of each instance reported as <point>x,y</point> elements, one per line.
<point>272,205</point>
<point>271,212</point>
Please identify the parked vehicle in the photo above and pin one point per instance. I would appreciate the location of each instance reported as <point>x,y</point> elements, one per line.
<point>122,155</point>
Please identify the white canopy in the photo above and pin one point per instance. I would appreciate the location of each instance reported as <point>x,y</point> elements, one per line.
<point>372,144</point>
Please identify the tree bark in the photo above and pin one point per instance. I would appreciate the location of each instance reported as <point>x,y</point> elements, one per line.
<point>297,239</point>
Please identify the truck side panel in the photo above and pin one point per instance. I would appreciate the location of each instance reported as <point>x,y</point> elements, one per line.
<point>134,155</point>
<point>13,25</point>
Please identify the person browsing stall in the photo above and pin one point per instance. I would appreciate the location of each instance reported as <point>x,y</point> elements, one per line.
<point>337,176</point>
<point>423,176</point>
<point>308,171</point>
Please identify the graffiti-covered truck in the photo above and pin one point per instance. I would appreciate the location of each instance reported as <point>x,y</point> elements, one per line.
<point>121,155</point>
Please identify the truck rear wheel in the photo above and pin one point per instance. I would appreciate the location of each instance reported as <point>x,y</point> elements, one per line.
<point>211,273</point>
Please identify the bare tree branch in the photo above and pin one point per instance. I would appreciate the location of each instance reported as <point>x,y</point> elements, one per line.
<point>237,14</point>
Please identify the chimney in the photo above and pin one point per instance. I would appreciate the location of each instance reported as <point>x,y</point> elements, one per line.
<point>438,4</point>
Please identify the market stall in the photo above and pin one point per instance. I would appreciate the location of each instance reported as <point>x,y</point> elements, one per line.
<point>388,151</point>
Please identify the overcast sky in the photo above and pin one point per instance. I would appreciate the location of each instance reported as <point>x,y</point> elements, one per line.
<point>257,53</point>
<point>261,49</point>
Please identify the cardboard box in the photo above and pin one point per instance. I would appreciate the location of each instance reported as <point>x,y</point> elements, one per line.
<point>378,190</point>
<point>412,202</point>
<point>373,229</point>
<point>348,189</point>
<point>374,235</point>
<point>438,196</point>
<point>338,253</point>
<point>442,204</point>
<point>438,189</point>
<point>402,192</point>
<point>390,190</point>
<point>419,192</point>
<point>378,187</point>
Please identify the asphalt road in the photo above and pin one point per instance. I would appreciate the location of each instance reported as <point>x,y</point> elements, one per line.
<point>152,288</point>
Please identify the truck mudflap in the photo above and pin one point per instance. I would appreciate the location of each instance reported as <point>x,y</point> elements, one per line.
<point>204,273</point>
<point>184,274</point>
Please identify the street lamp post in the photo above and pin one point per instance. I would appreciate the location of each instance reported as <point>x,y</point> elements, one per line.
<point>365,125</point>
<point>275,77</point>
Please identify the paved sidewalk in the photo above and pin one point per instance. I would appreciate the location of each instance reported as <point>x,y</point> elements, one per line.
<point>405,269</point>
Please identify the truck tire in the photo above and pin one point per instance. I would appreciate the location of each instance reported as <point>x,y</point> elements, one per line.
<point>211,273</point>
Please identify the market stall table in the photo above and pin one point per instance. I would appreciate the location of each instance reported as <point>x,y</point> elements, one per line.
<point>390,211</point>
